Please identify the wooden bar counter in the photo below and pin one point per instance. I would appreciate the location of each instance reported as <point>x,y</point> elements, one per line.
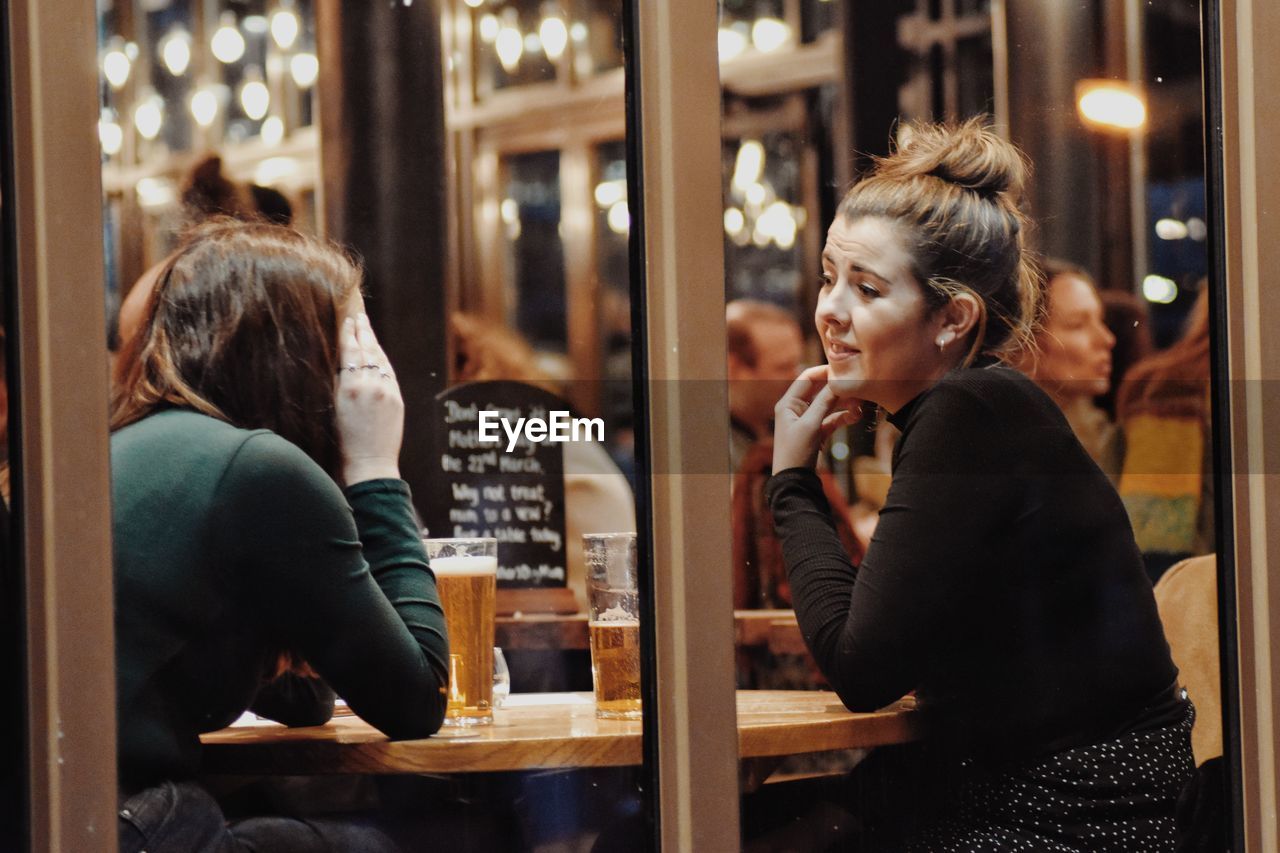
<point>545,731</point>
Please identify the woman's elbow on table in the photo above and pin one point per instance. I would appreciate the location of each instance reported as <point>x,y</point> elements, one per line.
<point>860,700</point>
<point>412,717</point>
<point>406,706</point>
<point>862,689</point>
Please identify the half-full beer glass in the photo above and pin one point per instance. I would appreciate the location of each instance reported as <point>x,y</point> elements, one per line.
<point>467,576</point>
<point>614,623</point>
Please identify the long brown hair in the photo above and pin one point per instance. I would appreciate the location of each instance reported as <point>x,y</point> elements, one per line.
<point>242,325</point>
<point>1176,379</point>
<point>955,190</point>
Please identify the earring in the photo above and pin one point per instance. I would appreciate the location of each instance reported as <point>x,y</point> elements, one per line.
<point>943,340</point>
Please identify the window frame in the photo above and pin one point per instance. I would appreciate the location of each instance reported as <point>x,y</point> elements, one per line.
<point>62,477</point>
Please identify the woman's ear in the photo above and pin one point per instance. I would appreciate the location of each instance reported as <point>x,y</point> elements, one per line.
<point>959,317</point>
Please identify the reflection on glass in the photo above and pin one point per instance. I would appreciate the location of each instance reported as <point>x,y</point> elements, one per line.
<point>763,217</point>
<point>817,17</point>
<point>517,42</point>
<point>596,33</point>
<point>949,56</point>
<point>1176,222</point>
<point>1127,205</point>
<point>613,272</point>
<point>751,26</point>
<point>535,275</point>
<point>190,74</point>
<point>239,77</point>
<point>975,79</point>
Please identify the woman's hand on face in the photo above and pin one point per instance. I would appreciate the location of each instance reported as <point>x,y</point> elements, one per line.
<point>805,417</point>
<point>370,410</point>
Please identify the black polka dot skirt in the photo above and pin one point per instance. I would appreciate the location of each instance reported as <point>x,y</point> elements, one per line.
<point>1113,796</point>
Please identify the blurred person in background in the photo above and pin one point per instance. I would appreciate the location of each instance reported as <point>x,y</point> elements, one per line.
<point>206,193</point>
<point>1167,483</point>
<point>765,349</point>
<point>1129,320</point>
<point>766,352</point>
<point>1071,360</point>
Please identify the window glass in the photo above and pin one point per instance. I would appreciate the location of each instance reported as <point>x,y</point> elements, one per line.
<point>819,17</point>
<point>613,230</point>
<point>473,159</point>
<point>763,217</point>
<point>517,43</point>
<point>596,35</point>
<point>1116,207</point>
<point>753,27</point>
<point>531,221</point>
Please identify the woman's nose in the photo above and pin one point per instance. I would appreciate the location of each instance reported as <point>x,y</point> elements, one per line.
<point>1105,335</point>
<point>831,309</point>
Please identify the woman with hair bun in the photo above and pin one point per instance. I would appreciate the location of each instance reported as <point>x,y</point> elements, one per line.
<point>1002,584</point>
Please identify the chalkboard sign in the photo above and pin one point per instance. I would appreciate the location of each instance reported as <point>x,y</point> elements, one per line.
<point>511,488</point>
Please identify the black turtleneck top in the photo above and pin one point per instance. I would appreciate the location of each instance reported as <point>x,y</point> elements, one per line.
<point>1002,584</point>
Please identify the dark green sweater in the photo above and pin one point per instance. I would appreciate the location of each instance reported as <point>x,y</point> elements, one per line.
<point>231,545</point>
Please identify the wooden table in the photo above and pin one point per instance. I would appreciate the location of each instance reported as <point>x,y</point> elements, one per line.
<point>771,723</point>
<point>775,629</point>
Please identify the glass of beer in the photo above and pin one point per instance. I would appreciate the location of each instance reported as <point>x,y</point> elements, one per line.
<point>614,623</point>
<point>466,573</point>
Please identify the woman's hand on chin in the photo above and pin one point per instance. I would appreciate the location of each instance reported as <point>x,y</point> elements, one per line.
<point>805,417</point>
<point>370,411</point>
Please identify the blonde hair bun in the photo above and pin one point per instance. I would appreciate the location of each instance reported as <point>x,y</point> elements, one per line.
<point>970,155</point>
<point>955,192</point>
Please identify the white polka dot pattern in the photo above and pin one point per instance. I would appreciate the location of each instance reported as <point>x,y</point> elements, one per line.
<point>1113,796</point>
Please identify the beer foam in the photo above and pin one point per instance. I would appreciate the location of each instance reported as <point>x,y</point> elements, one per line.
<point>615,616</point>
<point>461,566</point>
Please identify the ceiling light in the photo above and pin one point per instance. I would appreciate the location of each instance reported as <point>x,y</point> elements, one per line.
<point>255,99</point>
<point>227,44</point>
<point>110,134</point>
<point>731,43</point>
<point>1110,104</point>
<point>116,67</point>
<point>1158,289</point>
<point>204,106</point>
<point>175,51</point>
<point>769,34</point>
<point>154,192</point>
<point>554,35</point>
<point>619,218</point>
<point>284,28</point>
<point>304,68</point>
<point>749,164</point>
<point>148,117</point>
<point>272,130</point>
<point>510,45</point>
<point>1171,229</point>
<point>609,193</point>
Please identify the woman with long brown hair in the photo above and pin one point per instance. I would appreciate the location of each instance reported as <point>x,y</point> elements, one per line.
<point>1071,359</point>
<point>1166,484</point>
<point>258,510</point>
<point>1002,584</point>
